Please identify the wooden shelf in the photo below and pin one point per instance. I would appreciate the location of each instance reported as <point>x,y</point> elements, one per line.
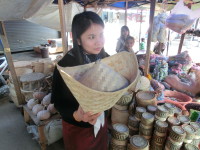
<point>28,116</point>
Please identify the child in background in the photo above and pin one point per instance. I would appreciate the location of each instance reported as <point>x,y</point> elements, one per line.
<point>129,43</point>
<point>142,44</point>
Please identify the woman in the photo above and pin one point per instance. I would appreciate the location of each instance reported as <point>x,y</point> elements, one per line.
<point>88,43</point>
<point>121,41</point>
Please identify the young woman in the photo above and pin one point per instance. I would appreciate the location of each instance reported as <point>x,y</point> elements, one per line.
<point>88,43</point>
<point>121,41</point>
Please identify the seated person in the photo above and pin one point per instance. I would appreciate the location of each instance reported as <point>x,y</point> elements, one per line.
<point>129,43</point>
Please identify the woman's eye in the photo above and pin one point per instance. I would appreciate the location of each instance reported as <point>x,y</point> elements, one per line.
<point>91,37</point>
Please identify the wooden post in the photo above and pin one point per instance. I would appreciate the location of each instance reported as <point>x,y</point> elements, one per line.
<point>181,43</point>
<point>168,42</point>
<point>126,12</point>
<point>152,10</point>
<point>8,55</point>
<point>140,28</point>
<point>62,26</point>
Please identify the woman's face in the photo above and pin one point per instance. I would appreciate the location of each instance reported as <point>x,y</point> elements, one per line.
<point>92,40</point>
<point>125,33</point>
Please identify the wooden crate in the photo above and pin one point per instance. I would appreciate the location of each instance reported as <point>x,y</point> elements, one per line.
<point>29,116</point>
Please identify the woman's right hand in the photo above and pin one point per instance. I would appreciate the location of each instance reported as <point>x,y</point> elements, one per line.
<point>80,115</point>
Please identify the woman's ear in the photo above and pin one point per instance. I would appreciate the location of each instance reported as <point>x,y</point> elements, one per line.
<point>78,41</point>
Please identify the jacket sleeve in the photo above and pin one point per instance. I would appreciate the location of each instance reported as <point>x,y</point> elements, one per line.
<point>62,98</point>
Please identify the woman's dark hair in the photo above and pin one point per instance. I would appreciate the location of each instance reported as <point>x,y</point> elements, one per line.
<point>126,29</point>
<point>81,22</point>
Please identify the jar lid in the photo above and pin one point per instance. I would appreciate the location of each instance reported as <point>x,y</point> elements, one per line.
<point>162,124</point>
<point>151,108</point>
<point>183,118</point>
<point>138,141</point>
<point>147,115</point>
<point>178,129</point>
<point>162,108</point>
<point>177,110</point>
<point>121,128</point>
<point>191,147</point>
<point>173,120</point>
<point>189,129</point>
<point>132,118</point>
<point>169,105</point>
<point>195,125</point>
<point>140,109</point>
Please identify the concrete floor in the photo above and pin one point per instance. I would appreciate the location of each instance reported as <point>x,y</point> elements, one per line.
<point>13,133</point>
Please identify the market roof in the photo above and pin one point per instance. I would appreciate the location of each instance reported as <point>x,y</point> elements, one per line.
<point>107,3</point>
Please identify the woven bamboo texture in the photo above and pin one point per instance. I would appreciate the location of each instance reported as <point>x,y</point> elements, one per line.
<point>96,101</point>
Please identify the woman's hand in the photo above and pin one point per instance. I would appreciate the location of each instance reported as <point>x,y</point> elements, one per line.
<point>80,115</point>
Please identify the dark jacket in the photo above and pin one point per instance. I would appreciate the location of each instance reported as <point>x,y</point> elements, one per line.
<point>63,99</point>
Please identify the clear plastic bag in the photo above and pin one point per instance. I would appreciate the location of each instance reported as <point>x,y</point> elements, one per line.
<point>181,18</point>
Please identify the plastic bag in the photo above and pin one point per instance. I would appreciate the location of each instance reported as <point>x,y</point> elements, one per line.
<point>181,18</point>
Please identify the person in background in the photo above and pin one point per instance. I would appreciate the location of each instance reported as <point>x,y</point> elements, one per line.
<point>129,43</point>
<point>121,41</point>
<point>88,46</point>
<point>142,44</point>
<point>159,48</point>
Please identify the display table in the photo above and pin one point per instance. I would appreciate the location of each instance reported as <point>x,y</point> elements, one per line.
<point>29,116</point>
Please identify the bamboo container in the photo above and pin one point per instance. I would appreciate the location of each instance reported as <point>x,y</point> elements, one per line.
<point>138,142</point>
<point>119,116</point>
<point>145,98</point>
<point>177,134</point>
<point>151,109</point>
<point>139,112</point>
<point>120,132</point>
<point>190,133</point>
<point>161,126</point>
<point>147,119</point>
<point>184,119</point>
<point>170,107</point>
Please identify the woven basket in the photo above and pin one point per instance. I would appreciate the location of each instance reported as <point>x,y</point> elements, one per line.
<point>143,84</point>
<point>95,101</point>
<point>145,98</point>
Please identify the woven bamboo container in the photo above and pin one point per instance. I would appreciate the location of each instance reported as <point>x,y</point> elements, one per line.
<point>184,119</point>
<point>120,132</point>
<point>145,130</point>
<point>116,147</point>
<point>125,100</point>
<point>133,122</point>
<point>138,142</point>
<point>177,111</point>
<point>190,133</point>
<point>190,147</point>
<point>147,119</point>
<point>177,134</point>
<point>173,121</point>
<point>120,107</point>
<point>172,145</point>
<point>196,126</point>
<point>119,116</point>
<point>161,126</point>
<point>133,131</point>
<point>151,109</point>
<point>159,140</point>
<point>170,108</point>
<point>161,113</point>
<point>119,142</point>
<point>98,101</point>
<point>131,108</point>
<point>145,98</point>
<point>139,111</point>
